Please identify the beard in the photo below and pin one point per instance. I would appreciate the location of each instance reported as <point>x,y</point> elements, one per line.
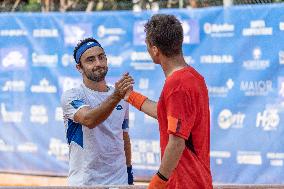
<point>97,74</point>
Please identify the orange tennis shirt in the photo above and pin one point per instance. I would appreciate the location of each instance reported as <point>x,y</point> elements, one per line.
<point>183,110</point>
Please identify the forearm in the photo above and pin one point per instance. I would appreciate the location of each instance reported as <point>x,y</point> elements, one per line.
<point>127,148</point>
<point>99,114</point>
<point>149,107</point>
<point>172,154</point>
<point>142,103</point>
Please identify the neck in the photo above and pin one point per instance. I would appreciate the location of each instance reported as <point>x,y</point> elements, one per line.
<point>172,64</point>
<point>100,86</point>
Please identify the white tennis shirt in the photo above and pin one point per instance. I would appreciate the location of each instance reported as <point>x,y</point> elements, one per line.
<point>96,156</point>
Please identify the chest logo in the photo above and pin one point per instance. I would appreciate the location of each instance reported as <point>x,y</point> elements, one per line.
<point>119,107</point>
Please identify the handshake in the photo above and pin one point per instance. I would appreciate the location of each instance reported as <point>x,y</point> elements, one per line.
<point>123,87</point>
<point>124,90</point>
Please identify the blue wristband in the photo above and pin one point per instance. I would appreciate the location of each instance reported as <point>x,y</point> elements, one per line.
<point>130,175</point>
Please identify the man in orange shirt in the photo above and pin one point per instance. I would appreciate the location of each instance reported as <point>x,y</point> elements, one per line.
<point>182,111</point>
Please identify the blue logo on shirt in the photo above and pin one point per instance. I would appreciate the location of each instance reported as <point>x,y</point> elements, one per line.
<point>119,107</point>
<point>77,103</point>
<point>74,133</point>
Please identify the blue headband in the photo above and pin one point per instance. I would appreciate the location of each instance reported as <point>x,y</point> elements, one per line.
<point>83,48</point>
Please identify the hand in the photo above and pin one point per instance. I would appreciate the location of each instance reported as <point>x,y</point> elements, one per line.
<point>130,175</point>
<point>128,93</point>
<point>123,85</point>
<point>157,183</point>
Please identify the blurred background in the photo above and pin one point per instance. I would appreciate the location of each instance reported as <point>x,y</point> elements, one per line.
<point>111,5</point>
<point>236,44</point>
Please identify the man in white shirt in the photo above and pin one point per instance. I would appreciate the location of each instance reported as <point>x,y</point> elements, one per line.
<point>96,120</point>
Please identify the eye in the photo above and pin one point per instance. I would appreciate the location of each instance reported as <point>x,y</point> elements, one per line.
<point>90,59</point>
<point>102,56</point>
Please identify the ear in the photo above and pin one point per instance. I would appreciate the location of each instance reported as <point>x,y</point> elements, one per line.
<point>155,50</point>
<point>79,68</point>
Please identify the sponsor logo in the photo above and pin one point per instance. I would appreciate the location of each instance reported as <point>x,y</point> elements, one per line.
<point>216,59</point>
<point>257,27</point>
<point>13,33</point>
<point>45,33</point>
<point>10,116</point>
<point>14,58</point>
<point>43,87</point>
<point>67,83</point>
<point>109,35</point>
<point>140,56</point>
<point>276,159</point>
<point>256,88</point>
<point>74,33</point>
<point>256,63</point>
<point>227,119</point>
<point>141,61</point>
<point>47,60</point>
<point>103,31</point>
<point>38,114</point>
<point>67,60</point>
<point>219,30</point>
<point>268,119</point>
<point>28,147</point>
<point>14,86</point>
<point>221,91</point>
<point>119,107</point>
<point>58,149</point>
<point>249,158</point>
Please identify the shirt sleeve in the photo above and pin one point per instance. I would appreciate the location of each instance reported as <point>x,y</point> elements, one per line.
<point>71,103</point>
<point>125,124</point>
<point>181,113</point>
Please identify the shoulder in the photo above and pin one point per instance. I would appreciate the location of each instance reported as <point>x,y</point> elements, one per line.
<point>70,94</point>
<point>177,81</point>
<point>185,81</point>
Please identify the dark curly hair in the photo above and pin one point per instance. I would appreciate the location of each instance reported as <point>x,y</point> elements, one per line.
<point>165,32</point>
<point>82,42</point>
